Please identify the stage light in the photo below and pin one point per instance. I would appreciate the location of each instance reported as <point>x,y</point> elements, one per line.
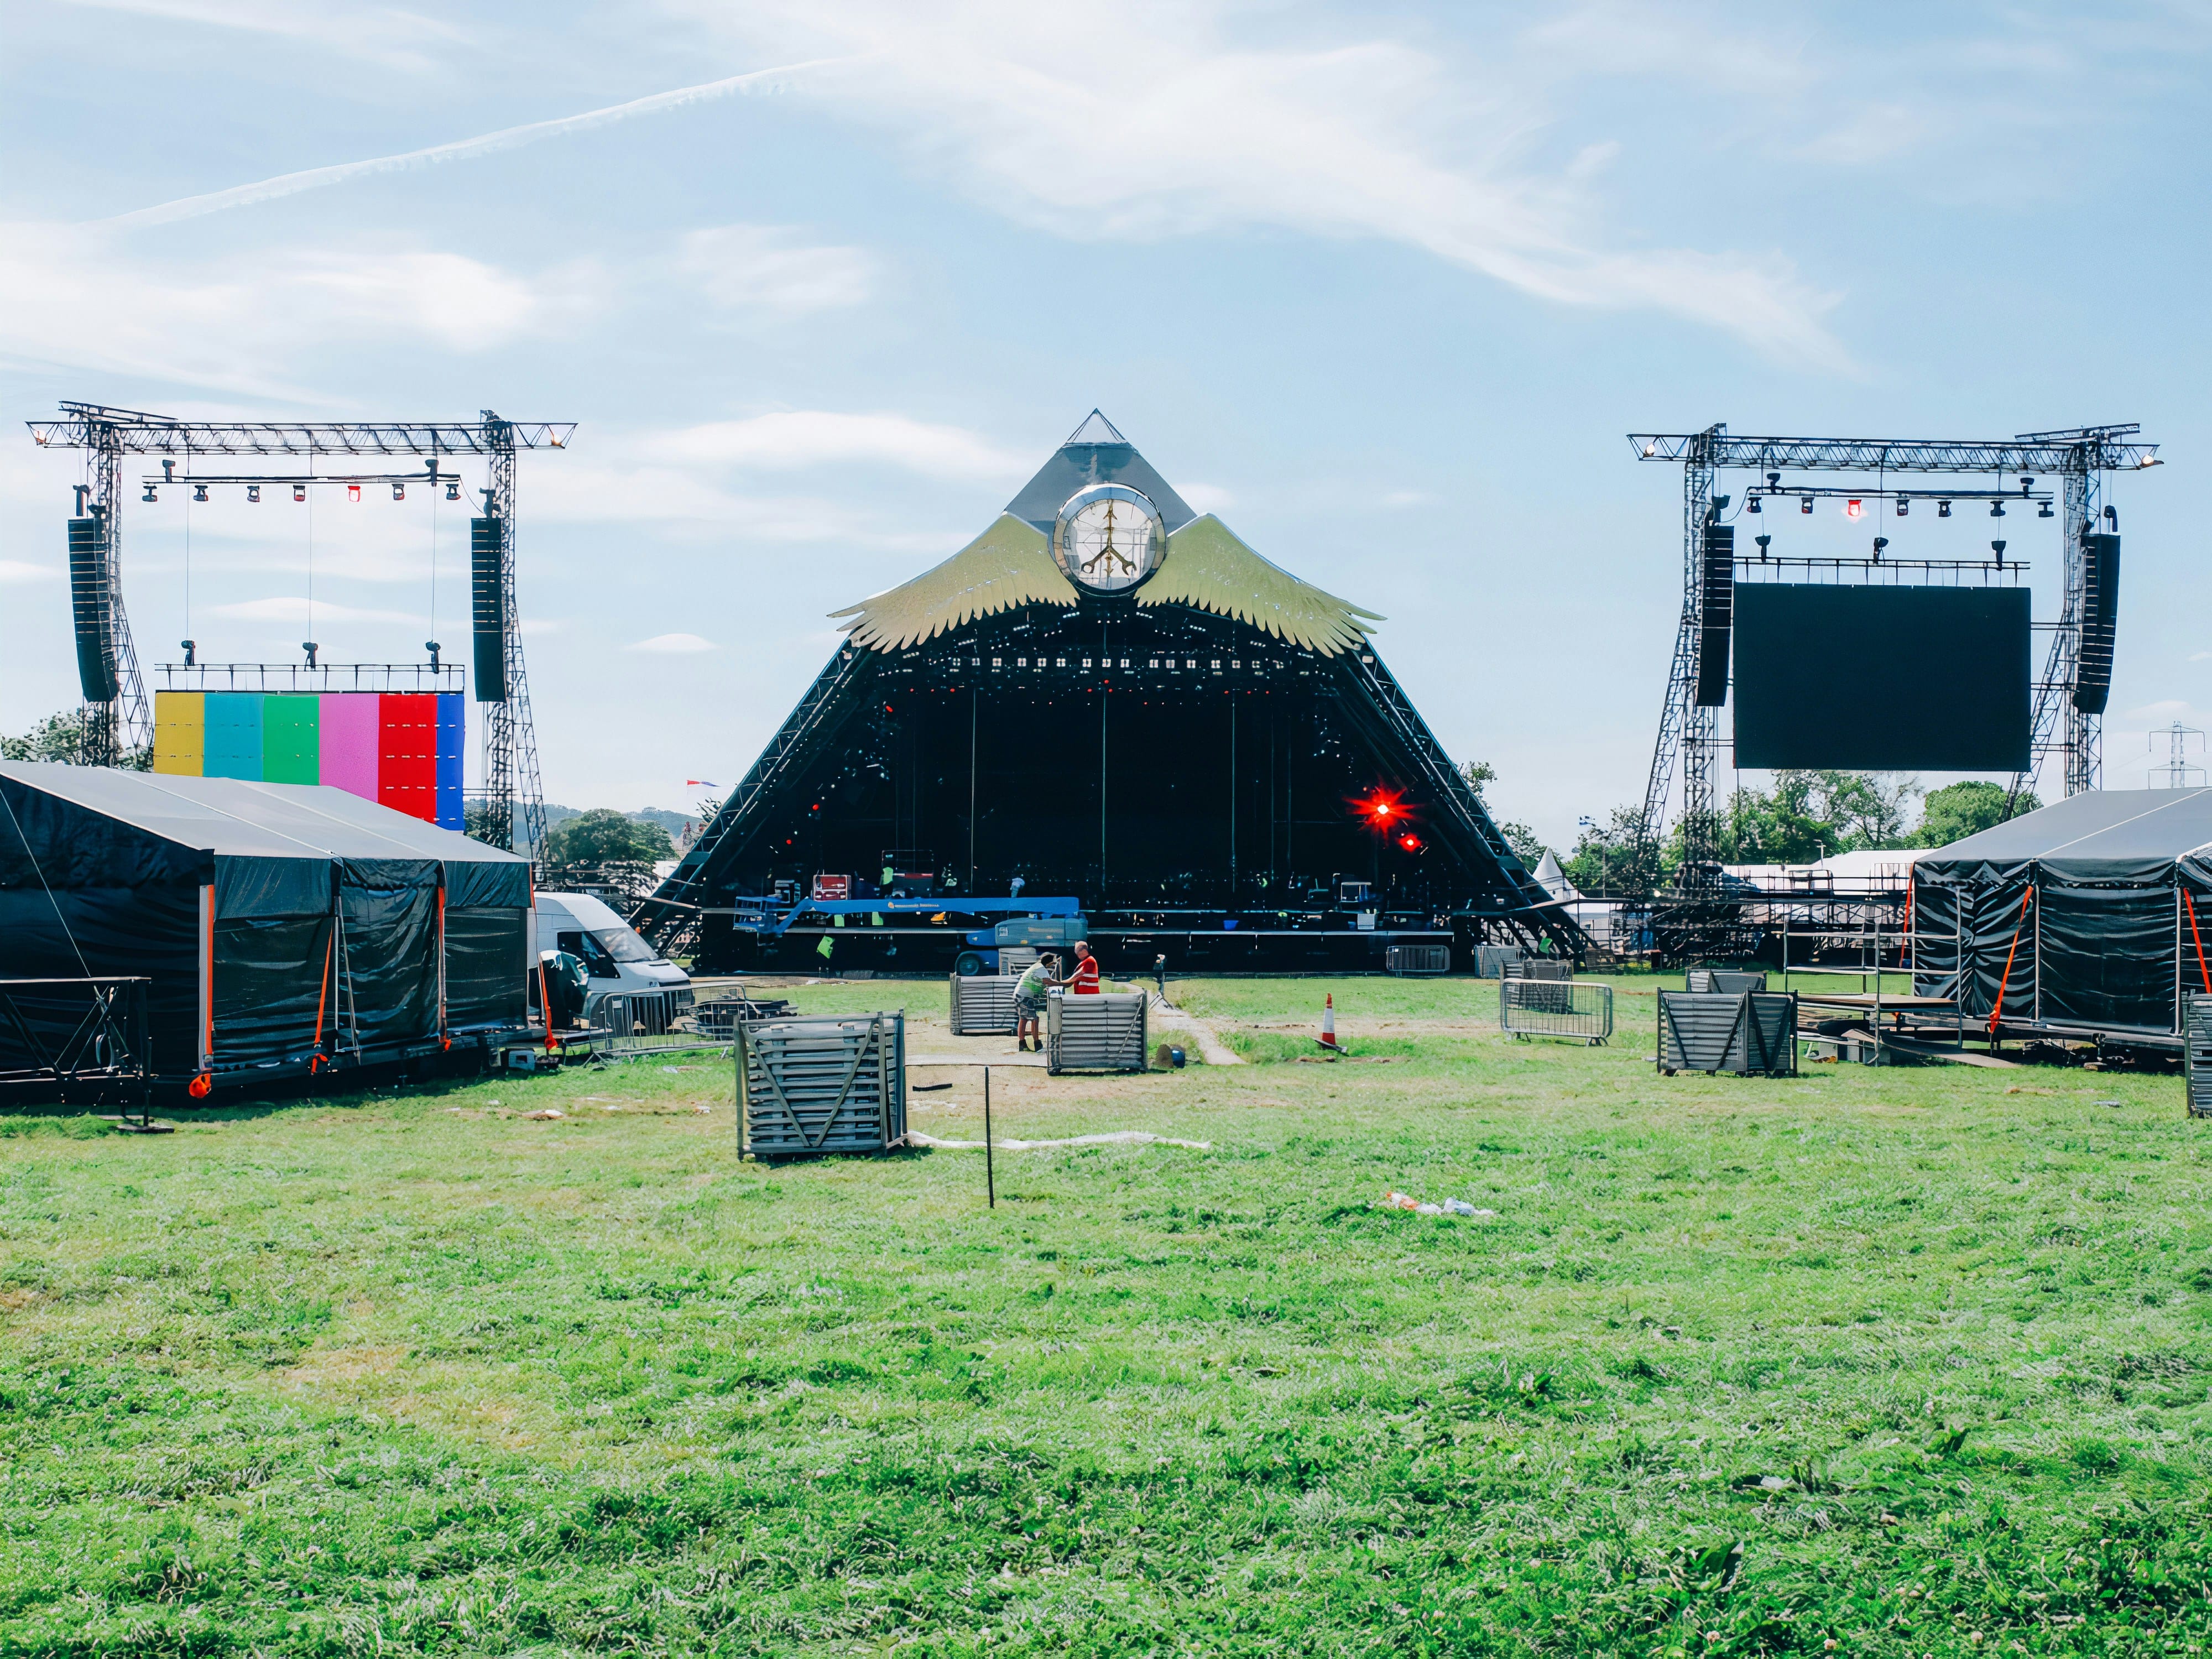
<point>2152,460</point>
<point>299,492</point>
<point>1750,503</point>
<point>353,492</point>
<point>1943,509</point>
<point>253,492</point>
<point>399,492</point>
<point>453,489</point>
<point>1649,450</point>
<point>199,492</point>
<point>1852,509</point>
<point>1763,541</point>
<point>2026,484</point>
<point>149,495</point>
<point>1411,843</point>
<point>1880,542</point>
<point>1804,503</point>
<point>1904,506</point>
<point>1998,549</point>
<point>2044,512</point>
<point>1997,509</point>
<point>1773,480</point>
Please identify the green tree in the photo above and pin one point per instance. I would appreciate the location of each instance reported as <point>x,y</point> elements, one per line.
<point>1526,845</point>
<point>61,738</point>
<point>1809,815</point>
<point>604,836</point>
<point>1959,810</point>
<point>1607,859</point>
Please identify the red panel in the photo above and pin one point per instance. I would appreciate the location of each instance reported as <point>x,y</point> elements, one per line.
<point>407,753</point>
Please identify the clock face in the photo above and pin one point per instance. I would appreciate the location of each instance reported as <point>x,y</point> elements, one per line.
<point>1109,537</point>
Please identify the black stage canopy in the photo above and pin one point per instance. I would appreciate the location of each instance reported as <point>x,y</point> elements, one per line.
<point>2093,915</point>
<point>283,926</point>
<point>1108,697</point>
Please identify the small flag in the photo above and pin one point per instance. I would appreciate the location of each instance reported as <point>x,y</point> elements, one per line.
<point>701,783</point>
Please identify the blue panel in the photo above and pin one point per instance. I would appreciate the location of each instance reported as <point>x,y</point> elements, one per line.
<point>452,747</point>
<point>233,740</point>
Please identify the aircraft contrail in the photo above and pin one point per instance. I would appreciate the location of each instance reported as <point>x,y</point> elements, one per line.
<point>290,184</point>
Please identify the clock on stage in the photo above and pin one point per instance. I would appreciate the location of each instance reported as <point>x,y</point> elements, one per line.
<point>1108,538</point>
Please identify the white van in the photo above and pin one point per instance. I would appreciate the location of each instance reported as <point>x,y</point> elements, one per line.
<point>656,991</point>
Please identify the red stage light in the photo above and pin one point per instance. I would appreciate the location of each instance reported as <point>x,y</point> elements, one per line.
<point>1411,843</point>
<point>353,492</point>
<point>1853,508</point>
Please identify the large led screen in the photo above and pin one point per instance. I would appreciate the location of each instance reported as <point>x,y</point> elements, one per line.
<point>1906,679</point>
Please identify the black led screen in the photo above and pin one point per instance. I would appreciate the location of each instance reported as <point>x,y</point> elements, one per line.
<point>1881,679</point>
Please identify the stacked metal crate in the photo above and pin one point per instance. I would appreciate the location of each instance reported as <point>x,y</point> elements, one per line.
<point>983,1004</point>
<point>1555,1007</point>
<point>1095,1033</point>
<point>2197,1052</point>
<point>1752,1032</point>
<point>1731,981</point>
<point>808,1085</point>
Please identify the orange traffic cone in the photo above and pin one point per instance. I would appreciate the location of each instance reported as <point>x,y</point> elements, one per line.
<point>1328,1022</point>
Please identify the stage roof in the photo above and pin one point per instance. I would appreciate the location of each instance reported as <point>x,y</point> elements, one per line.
<point>1207,566</point>
<point>2123,825</point>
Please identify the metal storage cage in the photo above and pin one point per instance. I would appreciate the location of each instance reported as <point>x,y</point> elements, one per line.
<point>1538,968</point>
<point>1729,981</point>
<point>1095,1033</point>
<point>806,1086</point>
<point>1753,1032</point>
<point>983,1004</point>
<point>2197,1054</point>
<point>1417,958</point>
<point>1552,1007</point>
<point>1491,960</point>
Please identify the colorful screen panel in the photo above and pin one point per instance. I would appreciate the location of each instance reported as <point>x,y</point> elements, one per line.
<point>401,749</point>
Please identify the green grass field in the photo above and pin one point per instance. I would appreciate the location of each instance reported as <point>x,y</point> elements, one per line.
<point>1872,1362</point>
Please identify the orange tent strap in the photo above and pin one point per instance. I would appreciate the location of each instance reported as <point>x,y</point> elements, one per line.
<point>2199,938</point>
<point>1997,1012</point>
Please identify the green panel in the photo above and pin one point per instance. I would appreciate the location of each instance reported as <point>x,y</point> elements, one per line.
<point>291,740</point>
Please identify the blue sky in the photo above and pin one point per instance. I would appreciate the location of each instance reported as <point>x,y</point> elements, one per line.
<point>1383,286</point>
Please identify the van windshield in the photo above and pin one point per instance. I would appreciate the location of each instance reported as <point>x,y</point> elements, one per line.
<point>623,946</point>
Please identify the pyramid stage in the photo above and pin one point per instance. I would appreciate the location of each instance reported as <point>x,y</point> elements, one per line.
<point>1105,704</point>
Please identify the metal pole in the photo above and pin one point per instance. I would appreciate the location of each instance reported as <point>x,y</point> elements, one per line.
<point>990,1173</point>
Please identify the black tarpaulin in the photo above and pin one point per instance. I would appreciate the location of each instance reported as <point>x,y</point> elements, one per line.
<point>325,912</point>
<point>2097,902</point>
<point>487,958</point>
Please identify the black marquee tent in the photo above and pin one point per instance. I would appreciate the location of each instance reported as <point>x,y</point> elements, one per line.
<point>285,927</point>
<point>2090,917</point>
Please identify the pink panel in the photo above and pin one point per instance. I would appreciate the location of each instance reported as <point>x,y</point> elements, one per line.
<point>350,741</point>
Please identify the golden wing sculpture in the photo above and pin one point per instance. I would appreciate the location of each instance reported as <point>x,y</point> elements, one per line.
<point>1008,565</point>
<point>1208,567</point>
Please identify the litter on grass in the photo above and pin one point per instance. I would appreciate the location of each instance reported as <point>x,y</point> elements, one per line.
<point>1394,1200</point>
<point>1118,1138</point>
<point>545,1115</point>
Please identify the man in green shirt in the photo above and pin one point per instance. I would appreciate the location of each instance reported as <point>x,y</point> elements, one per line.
<point>1029,1001</point>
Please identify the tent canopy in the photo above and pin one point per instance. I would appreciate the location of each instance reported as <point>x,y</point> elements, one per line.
<point>2108,827</point>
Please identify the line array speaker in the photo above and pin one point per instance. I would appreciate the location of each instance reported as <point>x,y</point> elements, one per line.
<point>91,605</point>
<point>1717,615</point>
<point>488,594</point>
<point>2100,605</point>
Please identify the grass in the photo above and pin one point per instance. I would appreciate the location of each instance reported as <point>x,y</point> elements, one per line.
<point>1891,1358</point>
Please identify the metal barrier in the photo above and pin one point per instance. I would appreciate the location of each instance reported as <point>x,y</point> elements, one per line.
<point>637,1023</point>
<point>1417,958</point>
<point>1754,1032</point>
<point>1539,968</point>
<point>806,1086</point>
<point>1491,961</point>
<point>1103,1032</point>
<point>983,1004</point>
<point>55,1033</point>
<point>1553,1007</point>
<point>1729,981</point>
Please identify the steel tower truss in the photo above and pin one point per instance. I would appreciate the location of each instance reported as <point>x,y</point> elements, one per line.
<point>2080,456</point>
<point>108,434</point>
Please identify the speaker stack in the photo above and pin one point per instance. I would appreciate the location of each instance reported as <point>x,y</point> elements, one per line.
<point>487,591</point>
<point>1717,615</point>
<point>92,606</point>
<point>2100,604</point>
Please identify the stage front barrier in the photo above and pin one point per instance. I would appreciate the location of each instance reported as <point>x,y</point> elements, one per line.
<point>1417,958</point>
<point>811,1087</point>
<point>1744,1034</point>
<point>1555,1007</point>
<point>1729,981</point>
<point>983,1004</point>
<point>1100,1033</point>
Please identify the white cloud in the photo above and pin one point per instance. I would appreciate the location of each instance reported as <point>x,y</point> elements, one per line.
<point>769,267</point>
<point>1151,122</point>
<point>1205,497</point>
<point>811,437</point>
<point>2199,656</point>
<point>674,644</point>
<point>294,608</point>
<point>380,34</point>
<point>16,570</point>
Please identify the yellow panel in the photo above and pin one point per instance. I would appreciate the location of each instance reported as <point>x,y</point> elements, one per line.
<point>179,732</point>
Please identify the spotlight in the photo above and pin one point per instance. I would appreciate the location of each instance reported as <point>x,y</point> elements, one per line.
<point>452,489</point>
<point>2026,484</point>
<point>1763,543</point>
<point>2044,512</point>
<point>168,472</point>
<point>1773,480</point>
<point>189,647</point>
<point>310,647</point>
<point>1804,503</point>
<point>1997,509</point>
<point>299,492</point>
<point>149,495</point>
<point>399,492</point>
<point>1997,548</point>
<point>253,492</point>
<point>199,492</point>
<point>1904,506</point>
<point>1943,509</point>
<point>1852,509</point>
<point>1750,503</point>
<point>353,492</point>
<point>1411,843</point>
<point>2113,518</point>
<point>1649,450</point>
<point>1880,542</point>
